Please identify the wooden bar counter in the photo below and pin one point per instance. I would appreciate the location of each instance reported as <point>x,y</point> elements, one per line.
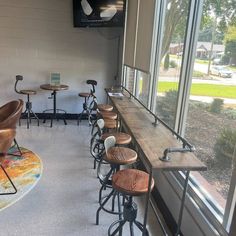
<point>152,142</point>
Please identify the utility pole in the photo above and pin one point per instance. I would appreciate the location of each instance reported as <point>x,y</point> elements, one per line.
<point>212,45</point>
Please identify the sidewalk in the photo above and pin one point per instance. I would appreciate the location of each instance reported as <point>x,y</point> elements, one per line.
<point>210,99</point>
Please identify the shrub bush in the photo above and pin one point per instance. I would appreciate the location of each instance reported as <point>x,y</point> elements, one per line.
<point>230,113</point>
<point>167,61</point>
<point>217,105</point>
<point>166,107</point>
<point>225,60</point>
<point>173,64</point>
<point>225,146</point>
<point>198,74</point>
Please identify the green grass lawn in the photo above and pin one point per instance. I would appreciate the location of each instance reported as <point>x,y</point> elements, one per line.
<point>233,68</point>
<point>172,56</point>
<point>211,90</point>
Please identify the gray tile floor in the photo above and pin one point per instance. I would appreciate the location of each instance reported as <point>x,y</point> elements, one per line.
<point>64,201</point>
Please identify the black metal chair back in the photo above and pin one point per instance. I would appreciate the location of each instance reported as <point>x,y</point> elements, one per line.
<point>93,83</point>
<point>18,77</point>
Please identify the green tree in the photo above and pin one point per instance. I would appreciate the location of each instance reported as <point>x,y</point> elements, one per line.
<point>230,44</point>
<point>222,12</point>
<point>167,61</point>
<point>205,34</point>
<point>176,14</point>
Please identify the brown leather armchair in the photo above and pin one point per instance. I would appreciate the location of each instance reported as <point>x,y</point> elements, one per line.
<point>10,114</point>
<point>6,138</point>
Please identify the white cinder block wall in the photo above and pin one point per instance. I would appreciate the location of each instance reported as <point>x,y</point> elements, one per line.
<point>37,37</point>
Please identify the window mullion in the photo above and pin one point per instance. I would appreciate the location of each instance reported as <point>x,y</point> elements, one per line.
<point>190,45</point>
<point>231,199</point>
<point>156,55</point>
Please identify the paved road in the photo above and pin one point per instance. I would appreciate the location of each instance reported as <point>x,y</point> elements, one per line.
<point>204,67</point>
<point>212,80</point>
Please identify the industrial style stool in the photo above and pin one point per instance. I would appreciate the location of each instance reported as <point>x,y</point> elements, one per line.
<point>121,138</point>
<point>96,143</point>
<point>98,138</point>
<point>107,115</point>
<point>104,107</point>
<point>28,110</point>
<point>104,111</point>
<point>130,182</point>
<point>115,157</point>
<point>110,124</point>
<point>87,108</point>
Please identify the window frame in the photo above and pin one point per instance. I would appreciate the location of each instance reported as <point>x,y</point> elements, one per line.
<point>221,223</point>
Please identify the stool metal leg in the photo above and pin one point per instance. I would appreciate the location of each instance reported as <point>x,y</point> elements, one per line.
<point>28,111</point>
<point>129,215</point>
<point>85,110</point>
<point>102,205</point>
<point>121,224</point>
<point>131,228</point>
<point>35,116</point>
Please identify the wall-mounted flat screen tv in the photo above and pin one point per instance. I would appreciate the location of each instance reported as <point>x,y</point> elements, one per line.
<point>98,13</point>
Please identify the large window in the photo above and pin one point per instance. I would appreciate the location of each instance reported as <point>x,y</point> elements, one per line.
<point>211,117</point>
<point>198,98</point>
<point>142,87</point>
<point>175,22</point>
<point>129,75</point>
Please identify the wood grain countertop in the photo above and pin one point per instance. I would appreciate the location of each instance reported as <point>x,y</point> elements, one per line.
<point>151,140</point>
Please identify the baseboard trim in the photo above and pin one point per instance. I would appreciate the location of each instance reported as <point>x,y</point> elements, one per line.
<point>67,116</point>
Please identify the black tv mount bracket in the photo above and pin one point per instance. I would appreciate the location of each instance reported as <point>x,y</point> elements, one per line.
<point>186,148</point>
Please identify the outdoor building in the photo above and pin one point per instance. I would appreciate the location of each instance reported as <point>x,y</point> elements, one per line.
<point>203,49</point>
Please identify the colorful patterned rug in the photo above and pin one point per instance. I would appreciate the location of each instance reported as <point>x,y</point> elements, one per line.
<point>25,171</point>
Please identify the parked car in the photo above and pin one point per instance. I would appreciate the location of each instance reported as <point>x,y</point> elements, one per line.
<point>221,71</point>
<point>216,61</point>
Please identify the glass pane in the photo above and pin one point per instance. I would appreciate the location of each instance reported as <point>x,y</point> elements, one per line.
<point>211,120</point>
<point>142,87</point>
<point>171,54</point>
<point>129,75</point>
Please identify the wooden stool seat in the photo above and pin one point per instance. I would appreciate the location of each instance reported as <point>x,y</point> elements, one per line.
<point>28,92</point>
<point>110,124</point>
<point>120,155</point>
<point>84,95</point>
<point>121,138</point>
<point>131,182</point>
<point>105,107</point>
<point>108,115</point>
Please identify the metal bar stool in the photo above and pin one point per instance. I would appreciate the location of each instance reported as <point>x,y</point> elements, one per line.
<point>107,115</point>
<point>110,124</point>
<point>104,107</point>
<point>103,111</point>
<point>96,143</point>
<point>28,103</point>
<point>87,108</point>
<point>98,138</point>
<point>130,182</point>
<point>114,157</point>
<point>121,137</point>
